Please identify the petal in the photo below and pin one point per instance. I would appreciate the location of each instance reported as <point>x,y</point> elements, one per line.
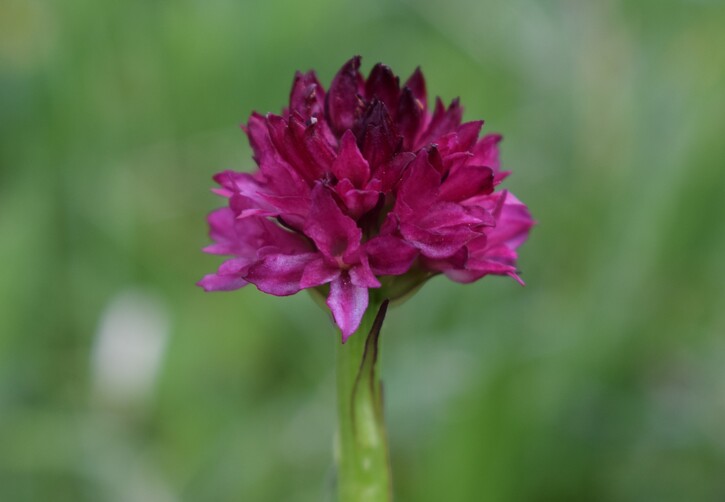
<point>357,202</point>
<point>476,269</point>
<point>288,137</point>
<point>389,174</point>
<point>217,282</point>
<point>319,271</point>
<point>495,253</point>
<point>435,159</point>
<point>342,105</point>
<point>486,153</point>
<point>456,160</point>
<point>448,215</point>
<point>455,261</point>
<point>389,255</point>
<point>285,205</point>
<point>307,96</point>
<point>483,216</point>
<point>418,187</point>
<point>390,225</point>
<point>281,239</point>
<point>468,134</point>
<point>350,163</point>
<point>416,83</point>
<point>244,237</point>
<point>409,118</point>
<point>513,222</point>
<point>467,182</point>
<point>463,276</point>
<point>377,135</point>
<point>233,182</point>
<point>318,150</point>
<point>442,229</point>
<point>280,176</point>
<point>382,84</point>
<point>333,232</point>
<point>347,303</point>
<point>259,139</point>
<point>437,243</point>
<point>462,140</point>
<point>280,274</point>
<point>228,278</point>
<point>223,231</point>
<point>362,276</point>
<point>443,121</point>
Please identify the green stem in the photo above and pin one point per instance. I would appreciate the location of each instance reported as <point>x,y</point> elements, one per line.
<point>363,461</point>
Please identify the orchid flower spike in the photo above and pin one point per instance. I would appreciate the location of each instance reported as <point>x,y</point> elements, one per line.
<point>364,186</point>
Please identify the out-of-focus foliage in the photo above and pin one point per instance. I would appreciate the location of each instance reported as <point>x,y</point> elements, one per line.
<point>603,379</point>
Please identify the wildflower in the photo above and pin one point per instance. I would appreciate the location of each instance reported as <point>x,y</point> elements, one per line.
<point>362,186</point>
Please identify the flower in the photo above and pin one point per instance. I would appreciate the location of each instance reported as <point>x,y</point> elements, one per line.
<point>364,187</point>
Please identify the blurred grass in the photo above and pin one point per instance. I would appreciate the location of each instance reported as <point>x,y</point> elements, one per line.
<point>603,379</point>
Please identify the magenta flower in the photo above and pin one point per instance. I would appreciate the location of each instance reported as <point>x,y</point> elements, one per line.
<point>363,187</point>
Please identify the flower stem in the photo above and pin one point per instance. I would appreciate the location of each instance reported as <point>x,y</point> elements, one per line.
<point>363,461</point>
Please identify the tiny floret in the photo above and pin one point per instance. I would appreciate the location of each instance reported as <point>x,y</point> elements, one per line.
<point>363,186</point>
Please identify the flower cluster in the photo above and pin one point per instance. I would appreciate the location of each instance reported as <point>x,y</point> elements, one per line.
<point>364,187</point>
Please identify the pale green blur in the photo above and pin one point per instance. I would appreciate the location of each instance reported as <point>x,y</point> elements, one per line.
<point>602,380</point>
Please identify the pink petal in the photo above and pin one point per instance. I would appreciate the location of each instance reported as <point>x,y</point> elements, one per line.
<point>409,118</point>
<point>461,140</point>
<point>486,153</point>
<point>441,230</point>
<point>288,137</point>
<point>483,215</point>
<point>440,243</point>
<point>244,237</point>
<point>513,222</point>
<point>362,276</point>
<point>455,261</point>
<point>357,202</point>
<point>217,282</point>
<point>435,159</point>
<point>467,134</point>
<point>463,276</point>
<point>307,96</point>
<point>228,278</point>
<point>233,182</point>
<point>342,105</point>
<point>477,269</point>
<point>223,231</point>
<point>382,84</point>
<point>319,271</point>
<point>418,188</point>
<point>275,170</point>
<point>448,215</point>
<point>389,255</point>
<point>318,150</point>
<point>333,232</point>
<point>443,121</point>
<point>285,205</point>
<point>350,163</point>
<point>377,134</point>
<point>495,253</point>
<point>389,174</point>
<point>467,182</point>
<point>456,160</point>
<point>279,274</point>
<point>347,303</point>
<point>259,140</point>
<point>416,83</point>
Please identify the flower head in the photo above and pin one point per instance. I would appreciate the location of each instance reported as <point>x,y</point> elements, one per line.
<point>362,186</point>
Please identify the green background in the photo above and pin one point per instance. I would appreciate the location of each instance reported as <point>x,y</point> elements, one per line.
<point>602,380</point>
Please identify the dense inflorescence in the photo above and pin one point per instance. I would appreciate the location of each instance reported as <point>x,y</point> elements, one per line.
<point>364,187</point>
